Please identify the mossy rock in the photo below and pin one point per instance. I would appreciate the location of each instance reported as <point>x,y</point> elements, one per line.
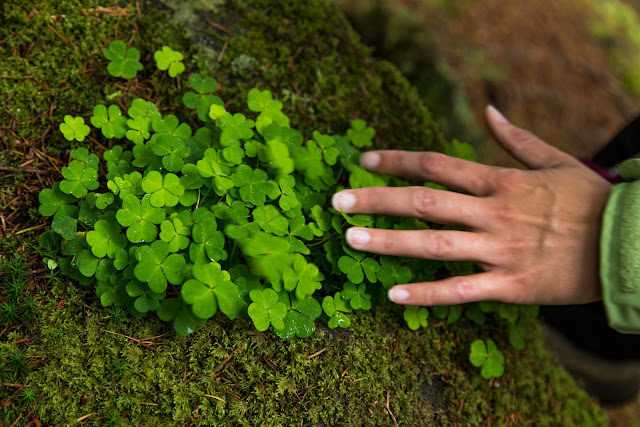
<point>100,366</point>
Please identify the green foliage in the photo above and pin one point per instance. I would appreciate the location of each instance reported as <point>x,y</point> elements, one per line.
<point>169,59</point>
<point>416,316</point>
<point>74,128</point>
<point>123,62</point>
<point>487,356</point>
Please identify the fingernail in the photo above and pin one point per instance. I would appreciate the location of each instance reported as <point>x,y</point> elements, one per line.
<point>343,200</point>
<point>370,160</point>
<point>496,115</point>
<point>357,237</point>
<point>398,295</point>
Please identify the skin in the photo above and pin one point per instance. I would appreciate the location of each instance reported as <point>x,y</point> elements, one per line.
<point>534,232</point>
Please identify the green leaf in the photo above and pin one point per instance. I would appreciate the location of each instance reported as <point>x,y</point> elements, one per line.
<point>156,267</point>
<point>235,128</point>
<point>517,334</point>
<point>357,296</point>
<point>270,220</point>
<point>359,134</point>
<point>416,316</point>
<point>74,128</point>
<point>124,62</point>
<point>212,288</point>
<point>208,243</point>
<point>392,273</point>
<point>164,191</point>
<point>86,263</point>
<point>106,239</point>
<point>266,309</point>
<point>176,234</point>
<point>169,59</point>
<point>201,99</point>
<point>79,178</point>
<point>336,307</point>
<point>140,217</point>
<point>478,354</point>
<point>65,226</point>
<point>487,356</point>
<point>52,201</point>
<point>111,121</point>
<point>253,184</point>
<point>300,318</point>
<point>461,150</point>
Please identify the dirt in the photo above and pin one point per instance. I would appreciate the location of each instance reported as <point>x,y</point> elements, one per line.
<point>542,68</point>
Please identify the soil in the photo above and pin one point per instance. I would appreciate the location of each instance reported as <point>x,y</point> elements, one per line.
<point>542,68</point>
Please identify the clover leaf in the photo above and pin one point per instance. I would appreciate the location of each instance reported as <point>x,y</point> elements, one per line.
<point>54,201</point>
<point>83,155</point>
<point>210,167</point>
<point>208,243</point>
<point>140,216</point>
<point>111,121</point>
<point>275,155</point>
<point>74,128</point>
<point>327,145</point>
<point>164,191</point>
<point>170,59</point>
<point>145,299</point>
<point>487,356</point>
<point>335,307</point>
<point>360,134</point>
<point>392,272</point>
<point>105,239</point>
<point>79,178</point>
<point>266,309</point>
<point>356,266</point>
<point>416,316</point>
<point>138,130</point>
<point>128,184</point>
<point>254,185</point>
<point>270,220</point>
<point>141,108</point>
<point>302,276</point>
<point>175,233</point>
<point>212,288</point>
<point>65,225</point>
<point>124,62</point>
<point>184,321</point>
<point>156,266</point>
<point>357,296</point>
<point>202,99</point>
<point>86,262</point>
<point>300,318</point>
<point>269,109</point>
<point>234,129</point>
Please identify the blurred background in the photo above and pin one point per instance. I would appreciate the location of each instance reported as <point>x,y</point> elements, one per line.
<point>567,70</point>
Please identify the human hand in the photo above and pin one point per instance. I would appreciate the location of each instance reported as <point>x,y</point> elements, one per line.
<point>534,232</point>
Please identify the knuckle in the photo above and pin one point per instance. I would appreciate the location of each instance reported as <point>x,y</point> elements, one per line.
<point>423,202</point>
<point>437,245</point>
<point>464,290</point>
<point>432,161</point>
<point>509,179</point>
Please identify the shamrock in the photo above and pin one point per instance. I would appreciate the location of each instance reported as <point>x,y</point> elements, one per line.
<point>164,191</point>
<point>359,134</point>
<point>236,213</point>
<point>175,233</point>
<point>118,161</point>
<point>146,299</point>
<point>451,312</point>
<point>303,277</point>
<point>357,296</point>
<point>138,129</point>
<point>79,178</point>
<point>156,266</point>
<point>327,145</point>
<point>335,307</point>
<point>356,266</point>
<point>208,243</point>
<point>184,321</point>
<point>259,100</point>
<point>201,99</point>
<point>288,199</point>
<point>170,59</point>
<point>270,110</point>
<point>416,316</point>
<point>234,129</point>
<point>65,225</point>
<point>170,141</point>
<point>82,154</point>
<point>487,356</point>
<point>270,220</point>
<point>517,334</point>
<point>74,128</point>
<point>275,155</point>
<point>140,217</point>
<point>142,109</point>
<point>128,184</point>
<point>86,262</point>
<point>209,167</point>
<point>53,201</point>
<point>212,288</point>
<point>298,228</point>
<point>110,121</point>
<point>392,272</point>
<point>361,178</point>
<point>105,239</point>
<point>254,185</point>
<point>461,150</point>
<point>300,318</point>
<point>266,309</point>
<point>124,63</point>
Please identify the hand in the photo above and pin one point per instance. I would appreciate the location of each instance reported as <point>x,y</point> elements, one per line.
<point>534,232</point>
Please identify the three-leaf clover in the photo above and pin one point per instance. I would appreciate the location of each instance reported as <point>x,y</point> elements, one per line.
<point>356,266</point>
<point>53,202</point>
<point>487,356</point>
<point>208,243</point>
<point>271,220</point>
<point>266,309</point>
<point>416,316</point>
<point>211,288</point>
<point>360,134</point>
<point>105,239</point>
<point>146,299</point>
<point>202,99</point>
<point>357,296</point>
<point>335,307</point>
<point>170,59</point>
<point>254,185</point>
<point>124,62</point>
<point>392,272</point>
<point>175,233</point>
<point>164,191</point>
<point>156,266</point>
<point>111,121</point>
<point>140,217</point>
<point>79,179</point>
<point>300,318</point>
<point>302,276</point>
<point>234,129</point>
<point>74,128</point>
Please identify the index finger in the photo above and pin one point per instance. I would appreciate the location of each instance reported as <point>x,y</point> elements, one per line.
<point>453,173</point>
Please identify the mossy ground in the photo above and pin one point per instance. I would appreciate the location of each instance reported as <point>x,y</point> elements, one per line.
<point>99,366</point>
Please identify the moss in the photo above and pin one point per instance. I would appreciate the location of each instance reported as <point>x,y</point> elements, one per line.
<point>88,360</point>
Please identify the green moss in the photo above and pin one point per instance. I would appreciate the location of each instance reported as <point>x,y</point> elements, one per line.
<point>82,360</point>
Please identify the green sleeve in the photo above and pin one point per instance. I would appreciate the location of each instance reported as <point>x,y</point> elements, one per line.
<point>620,256</point>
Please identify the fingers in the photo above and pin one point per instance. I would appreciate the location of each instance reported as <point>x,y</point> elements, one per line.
<point>444,245</point>
<point>454,290</point>
<point>444,207</point>
<point>525,146</point>
<point>454,173</point>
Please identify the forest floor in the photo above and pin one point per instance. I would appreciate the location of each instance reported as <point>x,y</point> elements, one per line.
<point>543,67</point>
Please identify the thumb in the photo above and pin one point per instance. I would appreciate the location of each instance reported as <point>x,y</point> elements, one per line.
<point>524,145</point>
